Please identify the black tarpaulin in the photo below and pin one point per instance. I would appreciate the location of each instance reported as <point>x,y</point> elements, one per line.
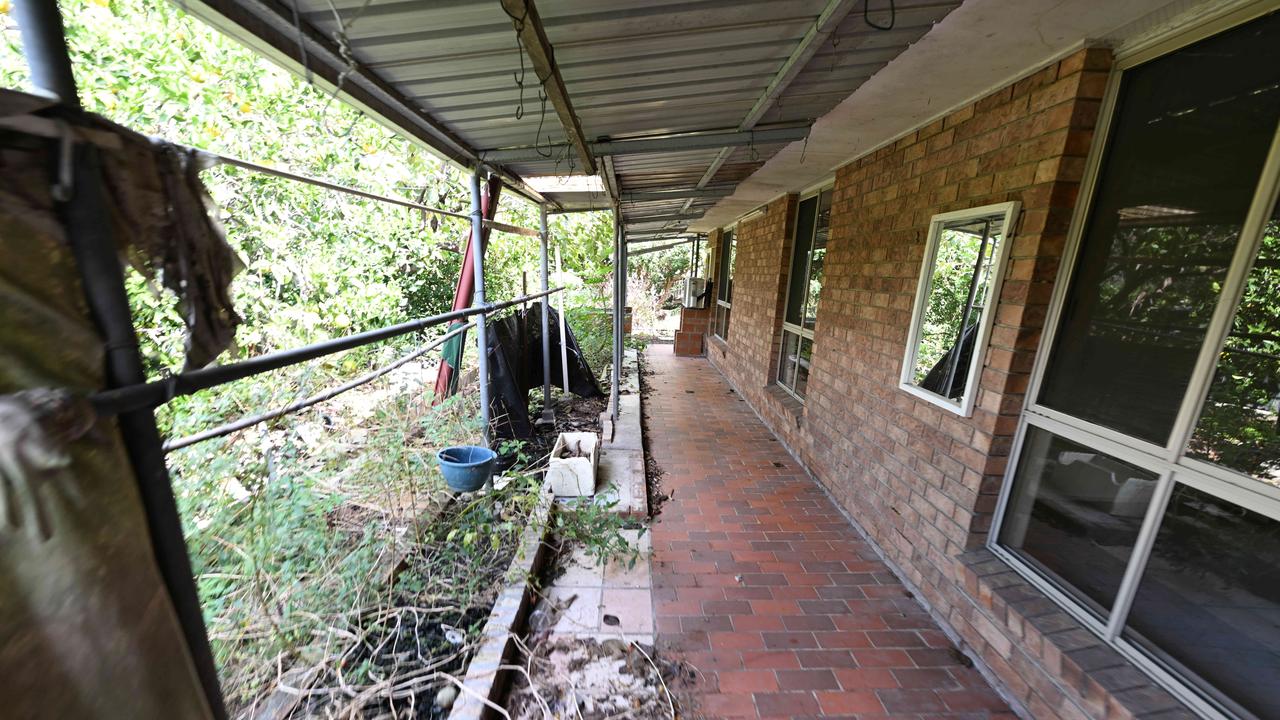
<point>515,368</point>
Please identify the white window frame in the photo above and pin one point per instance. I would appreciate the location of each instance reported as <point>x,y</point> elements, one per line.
<point>1168,460</point>
<point>906,380</point>
<point>730,232</point>
<point>803,332</point>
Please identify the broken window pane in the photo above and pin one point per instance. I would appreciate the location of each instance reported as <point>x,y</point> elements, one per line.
<point>802,365</point>
<point>787,364</point>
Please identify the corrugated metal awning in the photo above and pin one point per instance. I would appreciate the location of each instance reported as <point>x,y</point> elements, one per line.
<point>677,101</point>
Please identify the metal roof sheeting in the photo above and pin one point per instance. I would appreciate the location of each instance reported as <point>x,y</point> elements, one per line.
<point>631,70</point>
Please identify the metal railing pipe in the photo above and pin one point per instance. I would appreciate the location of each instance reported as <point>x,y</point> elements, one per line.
<point>482,330</point>
<point>250,421</point>
<point>326,184</point>
<point>153,394</point>
<point>221,159</point>
<point>547,413</point>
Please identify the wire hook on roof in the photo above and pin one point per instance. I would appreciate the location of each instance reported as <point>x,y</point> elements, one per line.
<point>893,15</point>
<point>518,24</point>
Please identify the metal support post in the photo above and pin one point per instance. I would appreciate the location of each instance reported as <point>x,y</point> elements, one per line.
<point>87,220</point>
<point>616,375</point>
<point>45,48</point>
<point>548,415</point>
<point>482,335</point>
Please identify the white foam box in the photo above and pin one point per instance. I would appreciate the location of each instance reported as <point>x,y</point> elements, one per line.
<point>575,457</point>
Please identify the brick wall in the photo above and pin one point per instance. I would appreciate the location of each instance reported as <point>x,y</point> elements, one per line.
<point>695,324</point>
<point>920,480</point>
<point>759,275</point>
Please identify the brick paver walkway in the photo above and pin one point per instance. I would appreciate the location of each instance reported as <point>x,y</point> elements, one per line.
<point>763,585</point>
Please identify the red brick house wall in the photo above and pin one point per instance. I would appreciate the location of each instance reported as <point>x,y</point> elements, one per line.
<point>921,481</point>
<point>695,323</point>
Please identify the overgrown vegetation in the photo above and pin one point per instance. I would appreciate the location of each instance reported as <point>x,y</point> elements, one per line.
<point>323,554</point>
<point>655,287</point>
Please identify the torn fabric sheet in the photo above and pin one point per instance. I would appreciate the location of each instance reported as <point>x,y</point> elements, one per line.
<point>165,222</point>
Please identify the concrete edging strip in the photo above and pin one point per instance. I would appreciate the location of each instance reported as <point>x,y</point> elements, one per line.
<point>485,684</point>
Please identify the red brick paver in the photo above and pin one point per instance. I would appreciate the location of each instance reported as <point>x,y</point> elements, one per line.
<point>762,584</point>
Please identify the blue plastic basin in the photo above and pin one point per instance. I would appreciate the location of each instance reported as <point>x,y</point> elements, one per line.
<point>466,467</point>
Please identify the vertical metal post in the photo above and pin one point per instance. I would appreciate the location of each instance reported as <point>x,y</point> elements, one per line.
<point>616,375</point>
<point>622,244</point>
<point>482,335</point>
<point>547,414</point>
<point>693,258</point>
<point>45,48</point>
<point>87,221</point>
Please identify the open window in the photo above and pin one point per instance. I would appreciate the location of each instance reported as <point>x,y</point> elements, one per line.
<point>963,266</point>
<point>804,284</point>
<point>724,284</point>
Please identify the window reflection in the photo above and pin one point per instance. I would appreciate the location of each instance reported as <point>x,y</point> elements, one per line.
<point>724,283</point>
<point>958,292</point>
<point>1075,513</point>
<point>804,287</point>
<point>817,256</point>
<point>1185,151</point>
<point>1239,426</point>
<point>1209,601</point>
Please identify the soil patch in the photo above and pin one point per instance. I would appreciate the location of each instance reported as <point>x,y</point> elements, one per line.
<point>596,680</point>
<point>653,471</point>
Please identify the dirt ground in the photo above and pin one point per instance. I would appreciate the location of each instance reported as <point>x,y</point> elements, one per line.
<point>596,680</point>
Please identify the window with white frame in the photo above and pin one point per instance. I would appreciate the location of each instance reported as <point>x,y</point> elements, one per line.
<point>804,285</point>
<point>726,254</point>
<point>964,260</point>
<point>1144,490</point>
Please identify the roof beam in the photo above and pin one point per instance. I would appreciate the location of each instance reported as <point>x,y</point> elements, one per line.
<point>269,28</point>
<point>538,48</point>
<point>669,217</point>
<point>828,20</point>
<point>660,248</point>
<point>660,195</point>
<point>668,236</point>
<point>610,178</point>
<point>705,140</point>
<point>656,233</point>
